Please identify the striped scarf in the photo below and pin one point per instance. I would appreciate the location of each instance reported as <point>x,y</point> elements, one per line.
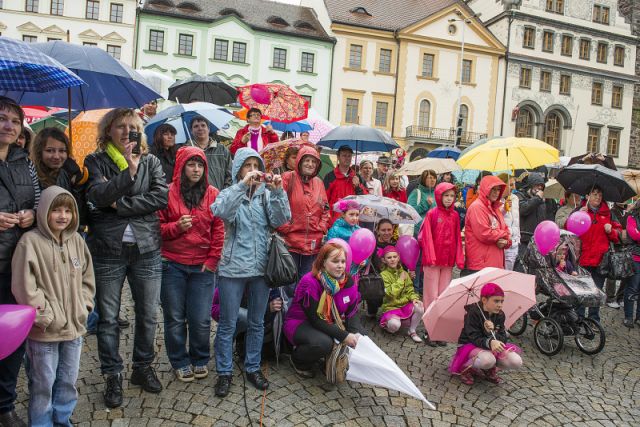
<point>331,287</point>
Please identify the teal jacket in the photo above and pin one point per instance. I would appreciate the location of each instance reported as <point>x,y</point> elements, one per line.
<point>342,230</point>
<point>421,202</point>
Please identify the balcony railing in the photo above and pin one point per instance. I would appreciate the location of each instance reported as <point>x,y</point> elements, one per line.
<point>441,135</point>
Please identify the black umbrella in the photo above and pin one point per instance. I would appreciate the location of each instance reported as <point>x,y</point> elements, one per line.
<point>594,159</point>
<point>204,89</point>
<point>581,179</point>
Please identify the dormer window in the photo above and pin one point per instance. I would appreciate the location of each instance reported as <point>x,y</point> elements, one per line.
<point>189,6</point>
<point>277,21</point>
<point>360,11</point>
<point>230,11</point>
<point>162,3</point>
<point>304,26</point>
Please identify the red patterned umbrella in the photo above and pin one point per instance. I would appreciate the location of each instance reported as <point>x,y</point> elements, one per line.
<point>273,154</point>
<point>276,101</point>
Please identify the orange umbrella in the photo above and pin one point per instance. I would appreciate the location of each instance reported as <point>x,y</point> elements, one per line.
<point>84,136</point>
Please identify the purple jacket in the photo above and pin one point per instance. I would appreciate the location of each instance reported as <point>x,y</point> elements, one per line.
<point>310,288</point>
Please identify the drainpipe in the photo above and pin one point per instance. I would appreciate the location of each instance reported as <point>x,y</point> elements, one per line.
<point>395,90</point>
<point>136,34</point>
<point>506,72</point>
<point>333,52</point>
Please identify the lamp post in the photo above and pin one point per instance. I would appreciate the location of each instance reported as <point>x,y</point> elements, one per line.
<point>510,5</point>
<point>464,21</point>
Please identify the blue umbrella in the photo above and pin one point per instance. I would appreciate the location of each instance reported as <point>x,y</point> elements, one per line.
<point>25,68</point>
<point>299,126</point>
<point>445,153</point>
<point>358,138</point>
<point>110,83</point>
<point>180,116</point>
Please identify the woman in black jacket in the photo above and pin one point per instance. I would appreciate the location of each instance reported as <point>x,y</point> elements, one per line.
<point>124,192</point>
<point>165,149</point>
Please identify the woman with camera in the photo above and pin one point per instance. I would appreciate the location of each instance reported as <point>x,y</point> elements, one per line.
<point>126,188</point>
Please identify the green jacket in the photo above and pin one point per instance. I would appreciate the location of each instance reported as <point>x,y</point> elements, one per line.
<point>397,293</point>
<point>419,200</point>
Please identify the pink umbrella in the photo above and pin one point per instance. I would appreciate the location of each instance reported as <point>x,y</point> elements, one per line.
<point>321,126</point>
<point>444,319</point>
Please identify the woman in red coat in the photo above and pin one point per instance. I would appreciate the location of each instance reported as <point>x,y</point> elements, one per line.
<point>253,135</point>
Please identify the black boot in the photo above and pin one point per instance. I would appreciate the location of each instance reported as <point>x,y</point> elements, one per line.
<point>147,379</point>
<point>258,380</point>
<point>223,385</point>
<point>113,391</point>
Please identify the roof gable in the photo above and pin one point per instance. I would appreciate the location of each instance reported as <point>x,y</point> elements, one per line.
<point>89,34</point>
<point>29,27</point>
<point>114,37</point>
<point>54,29</point>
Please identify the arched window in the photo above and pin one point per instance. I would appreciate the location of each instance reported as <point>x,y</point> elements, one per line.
<point>525,123</point>
<point>464,113</point>
<point>552,129</point>
<point>424,114</point>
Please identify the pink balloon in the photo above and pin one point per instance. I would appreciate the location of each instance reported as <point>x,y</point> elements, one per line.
<point>579,222</point>
<point>347,251</point>
<point>260,94</point>
<point>546,236</point>
<point>15,323</point>
<point>409,251</point>
<point>362,243</point>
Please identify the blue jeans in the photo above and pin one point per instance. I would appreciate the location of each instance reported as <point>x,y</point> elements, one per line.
<point>186,296</point>
<point>599,279</point>
<point>231,291</point>
<point>632,289</point>
<point>143,271</point>
<point>52,372</point>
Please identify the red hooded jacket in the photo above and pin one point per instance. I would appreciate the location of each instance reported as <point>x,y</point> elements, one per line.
<point>267,138</point>
<point>399,195</point>
<point>309,208</point>
<point>595,242</point>
<point>484,226</point>
<point>202,243</point>
<point>339,186</point>
<point>439,235</point>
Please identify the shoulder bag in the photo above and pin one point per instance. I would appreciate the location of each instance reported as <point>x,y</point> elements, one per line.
<point>616,264</point>
<point>281,268</point>
<point>370,284</point>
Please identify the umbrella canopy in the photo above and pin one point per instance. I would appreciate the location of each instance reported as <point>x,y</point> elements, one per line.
<point>321,126</point>
<point>444,318</point>
<point>553,190</point>
<point>633,179</point>
<point>368,364</point>
<point>581,179</point>
<point>109,82</point>
<point>84,133</point>
<point>466,176</point>
<point>33,114</point>
<point>282,104</point>
<point>500,154</point>
<point>594,159</point>
<point>445,153</point>
<point>23,68</point>
<point>273,154</point>
<point>158,81</point>
<point>180,116</point>
<point>199,88</point>
<point>48,122</point>
<point>299,126</point>
<point>358,138</point>
<point>439,165</point>
<point>374,208</point>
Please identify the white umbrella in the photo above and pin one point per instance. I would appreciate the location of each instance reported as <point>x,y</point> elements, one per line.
<point>158,81</point>
<point>553,190</point>
<point>370,365</point>
<point>436,164</point>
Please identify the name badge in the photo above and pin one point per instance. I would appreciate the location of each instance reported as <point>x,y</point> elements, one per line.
<point>75,262</point>
<point>346,300</point>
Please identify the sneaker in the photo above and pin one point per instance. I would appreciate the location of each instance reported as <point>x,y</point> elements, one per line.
<point>184,374</point>
<point>258,380</point>
<point>223,385</point>
<point>303,373</point>
<point>628,323</point>
<point>11,419</point>
<point>613,304</point>
<point>200,372</point>
<point>491,375</point>
<point>414,336</point>
<point>147,379</point>
<point>113,391</point>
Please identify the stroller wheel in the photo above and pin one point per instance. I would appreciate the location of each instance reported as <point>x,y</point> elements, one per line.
<point>519,326</point>
<point>590,337</point>
<point>548,336</point>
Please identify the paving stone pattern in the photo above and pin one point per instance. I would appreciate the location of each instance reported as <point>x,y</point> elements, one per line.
<point>567,389</point>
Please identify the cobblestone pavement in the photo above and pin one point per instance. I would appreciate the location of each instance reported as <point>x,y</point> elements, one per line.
<point>567,389</point>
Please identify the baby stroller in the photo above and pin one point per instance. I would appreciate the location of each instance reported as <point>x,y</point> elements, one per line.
<point>563,291</point>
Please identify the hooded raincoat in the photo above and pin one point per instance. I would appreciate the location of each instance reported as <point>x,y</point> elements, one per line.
<point>54,276</point>
<point>595,242</point>
<point>249,214</point>
<point>340,186</point>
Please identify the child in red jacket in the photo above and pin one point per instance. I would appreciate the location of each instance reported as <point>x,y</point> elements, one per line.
<point>393,188</point>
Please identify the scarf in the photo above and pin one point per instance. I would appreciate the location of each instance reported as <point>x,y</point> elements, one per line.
<point>255,136</point>
<point>116,156</point>
<point>331,287</point>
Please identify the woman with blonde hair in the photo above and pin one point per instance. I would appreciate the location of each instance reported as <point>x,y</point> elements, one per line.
<point>124,192</point>
<point>366,173</point>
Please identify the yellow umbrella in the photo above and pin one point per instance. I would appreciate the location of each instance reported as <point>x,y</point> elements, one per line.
<point>633,179</point>
<point>85,133</point>
<point>500,154</point>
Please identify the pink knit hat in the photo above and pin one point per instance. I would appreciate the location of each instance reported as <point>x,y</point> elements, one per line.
<point>346,205</point>
<point>491,290</point>
<point>383,251</point>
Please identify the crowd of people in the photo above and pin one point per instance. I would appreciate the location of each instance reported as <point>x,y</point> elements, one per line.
<point>188,225</point>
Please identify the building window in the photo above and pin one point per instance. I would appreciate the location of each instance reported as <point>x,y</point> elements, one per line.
<point>565,84</point>
<point>308,98</point>
<point>555,6</point>
<point>220,49</point>
<point>525,77</point>
<point>57,7</point>
<point>351,112</point>
<point>424,113</point>
<point>93,9</point>
<point>279,58</point>
<point>529,38</point>
<point>585,49</point>
<point>618,56</point>
<point>593,139</point>
<point>552,130</point>
<point>613,142</point>
<point>91,44</point>
<point>464,115</point>
<point>545,81</point>
<point>601,14</point>
<point>53,39</point>
<point>467,65</point>
<point>382,109</point>
<point>603,52</point>
<point>384,66</point>
<point>616,96</point>
<point>524,123</point>
<point>307,62</point>
<point>31,6</point>
<point>427,64</point>
<point>156,40</point>
<point>547,41</point>
<point>185,44</point>
<point>567,45</point>
<point>355,56</point>
<point>116,12</point>
<point>114,51</point>
<point>239,53</point>
<point>596,93</point>
<point>30,39</point>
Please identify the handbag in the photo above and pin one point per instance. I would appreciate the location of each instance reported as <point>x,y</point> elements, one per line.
<point>281,268</point>
<point>337,362</point>
<point>616,264</point>
<point>370,284</point>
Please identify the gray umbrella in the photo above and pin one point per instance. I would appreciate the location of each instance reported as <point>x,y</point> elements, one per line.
<point>581,179</point>
<point>204,89</point>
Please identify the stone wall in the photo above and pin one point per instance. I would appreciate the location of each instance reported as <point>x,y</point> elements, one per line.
<point>631,10</point>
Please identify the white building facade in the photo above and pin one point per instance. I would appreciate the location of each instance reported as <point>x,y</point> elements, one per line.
<point>108,24</point>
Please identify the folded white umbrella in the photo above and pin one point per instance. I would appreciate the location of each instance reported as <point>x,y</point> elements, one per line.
<point>368,364</point>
